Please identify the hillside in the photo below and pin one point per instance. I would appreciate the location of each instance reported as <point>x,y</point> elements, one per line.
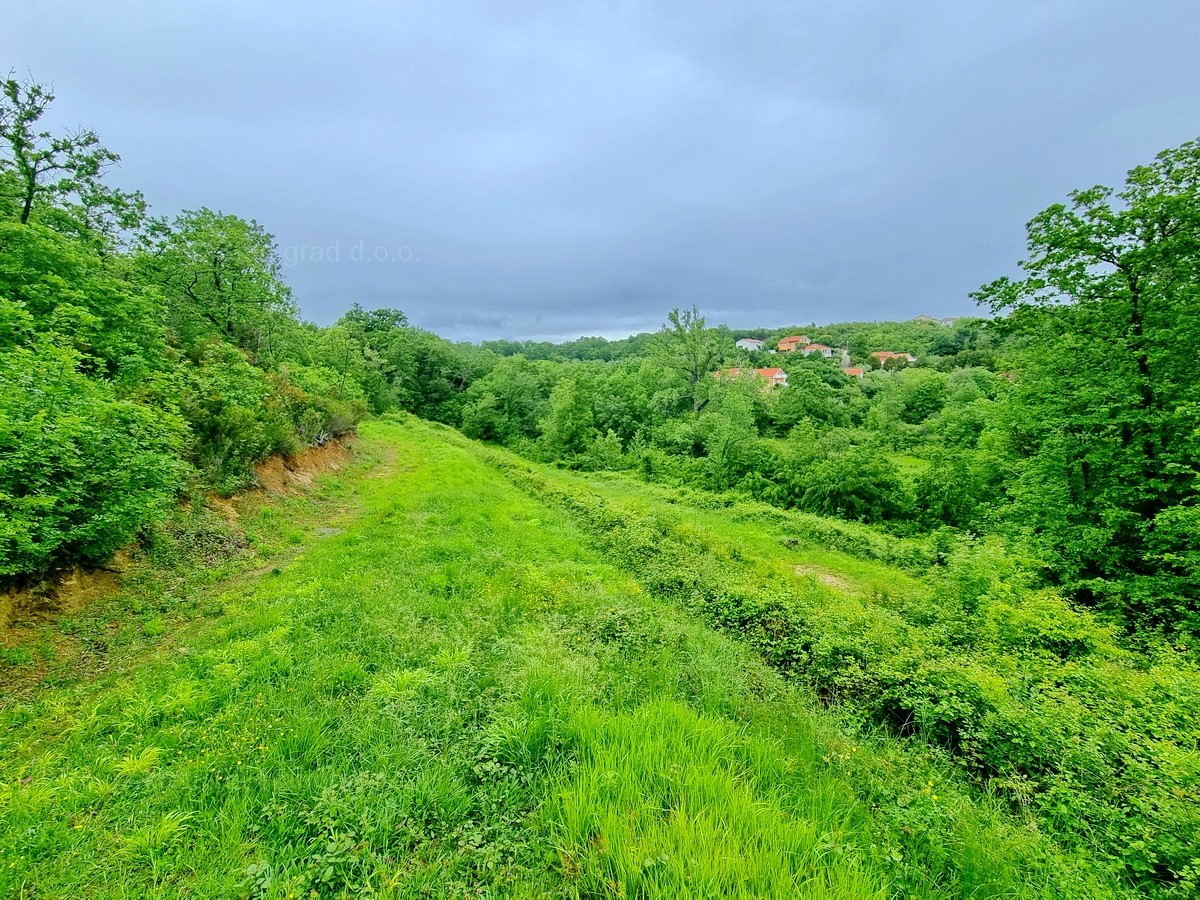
<point>457,685</point>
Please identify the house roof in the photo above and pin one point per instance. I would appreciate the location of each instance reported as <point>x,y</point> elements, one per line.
<point>853,371</point>
<point>735,372</point>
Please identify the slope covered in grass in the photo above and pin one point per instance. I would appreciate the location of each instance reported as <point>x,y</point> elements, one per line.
<point>1087,738</point>
<point>462,692</point>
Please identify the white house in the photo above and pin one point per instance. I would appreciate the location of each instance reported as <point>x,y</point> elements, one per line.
<point>824,349</point>
<point>749,344</point>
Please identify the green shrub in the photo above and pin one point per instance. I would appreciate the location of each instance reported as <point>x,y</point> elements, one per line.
<point>860,484</point>
<point>81,472</point>
<point>234,418</point>
<point>320,403</point>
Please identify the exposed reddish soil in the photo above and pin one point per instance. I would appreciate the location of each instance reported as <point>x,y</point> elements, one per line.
<point>66,593</point>
<point>288,475</point>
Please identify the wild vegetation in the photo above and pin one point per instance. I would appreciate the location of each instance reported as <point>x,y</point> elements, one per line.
<point>613,620</point>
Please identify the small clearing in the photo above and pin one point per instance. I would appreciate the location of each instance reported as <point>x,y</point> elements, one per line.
<point>825,577</point>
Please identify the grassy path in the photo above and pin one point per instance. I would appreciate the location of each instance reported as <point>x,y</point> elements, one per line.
<point>455,696</point>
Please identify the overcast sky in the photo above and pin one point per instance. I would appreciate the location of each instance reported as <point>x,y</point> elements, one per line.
<point>556,169</point>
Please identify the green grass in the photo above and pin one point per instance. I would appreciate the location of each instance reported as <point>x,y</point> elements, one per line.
<point>459,694</point>
<point>909,466</point>
<point>766,536</point>
<point>1035,701</point>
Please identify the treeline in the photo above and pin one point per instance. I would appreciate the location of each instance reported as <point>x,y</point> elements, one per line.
<point>144,358</point>
<point>964,342</point>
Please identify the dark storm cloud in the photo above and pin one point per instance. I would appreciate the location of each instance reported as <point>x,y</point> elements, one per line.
<point>531,170</point>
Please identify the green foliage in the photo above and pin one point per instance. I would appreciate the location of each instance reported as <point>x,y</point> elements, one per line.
<point>225,401</point>
<point>62,287</point>
<point>569,428</point>
<point>584,349</point>
<point>1103,422</point>
<point>951,491</point>
<point>686,351</point>
<point>81,471</point>
<point>923,393</point>
<point>509,402</point>
<point>142,361</point>
<point>808,397</point>
<point>484,705</point>
<point>42,173</point>
<point>223,277</point>
<point>138,355</point>
<point>727,430</point>
<point>861,485</point>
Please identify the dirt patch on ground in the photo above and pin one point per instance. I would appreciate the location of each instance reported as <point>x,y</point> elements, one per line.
<point>56,597</point>
<point>290,475</point>
<point>826,578</point>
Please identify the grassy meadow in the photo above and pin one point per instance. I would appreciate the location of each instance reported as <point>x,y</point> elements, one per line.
<point>444,682</point>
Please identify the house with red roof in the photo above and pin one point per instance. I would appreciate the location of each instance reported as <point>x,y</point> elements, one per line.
<point>823,349</point>
<point>792,343</point>
<point>852,371</point>
<point>885,355</point>
<point>774,377</point>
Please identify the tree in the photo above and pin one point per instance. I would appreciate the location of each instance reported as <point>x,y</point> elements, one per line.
<point>39,163</point>
<point>807,396</point>
<point>858,483</point>
<point>727,430</point>
<point>225,278</point>
<point>569,428</point>
<point>1104,418</point>
<point>688,350</point>
<point>509,403</point>
<point>624,399</point>
<point>68,290</point>
<point>923,393</point>
<point>376,323</point>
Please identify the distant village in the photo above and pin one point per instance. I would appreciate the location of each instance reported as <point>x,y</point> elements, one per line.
<point>800,343</point>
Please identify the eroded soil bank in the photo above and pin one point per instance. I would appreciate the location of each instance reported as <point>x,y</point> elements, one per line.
<point>67,592</point>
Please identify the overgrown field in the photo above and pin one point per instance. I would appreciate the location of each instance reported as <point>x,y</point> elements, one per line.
<point>1094,742</point>
<point>484,678</point>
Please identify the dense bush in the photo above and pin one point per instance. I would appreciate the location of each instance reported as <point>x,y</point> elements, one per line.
<point>859,484</point>
<point>81,471</point>
<point>321,404</point>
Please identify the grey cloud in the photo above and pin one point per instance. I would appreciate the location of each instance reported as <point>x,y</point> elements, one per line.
<point>560,169</point>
